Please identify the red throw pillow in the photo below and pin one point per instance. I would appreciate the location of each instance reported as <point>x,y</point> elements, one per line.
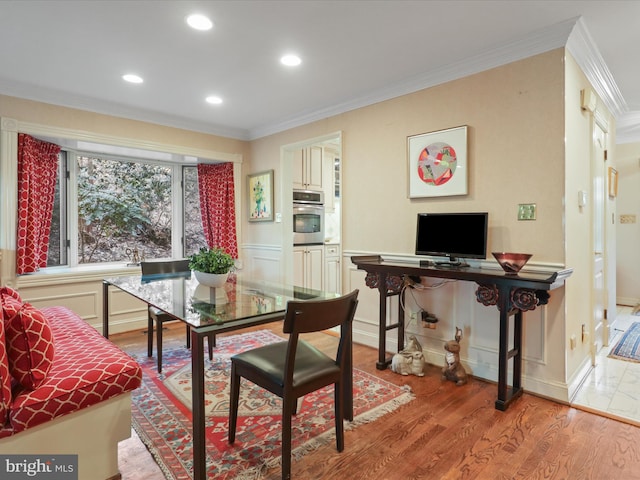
<point>10,292</point>
<point>29,342</point>
<point>5,376</point>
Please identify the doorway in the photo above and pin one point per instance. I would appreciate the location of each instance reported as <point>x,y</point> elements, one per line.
<point>599,298</point>
<point>330,143</point>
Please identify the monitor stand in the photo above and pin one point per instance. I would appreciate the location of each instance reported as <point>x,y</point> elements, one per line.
<point>452,263</point>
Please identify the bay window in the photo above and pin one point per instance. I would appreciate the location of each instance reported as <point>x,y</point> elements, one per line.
<point>108,208</point>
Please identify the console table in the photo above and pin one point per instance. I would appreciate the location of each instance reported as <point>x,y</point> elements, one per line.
<point>512,294</point>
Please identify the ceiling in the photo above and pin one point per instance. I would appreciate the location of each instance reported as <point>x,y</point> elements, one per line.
<point>354,53</point>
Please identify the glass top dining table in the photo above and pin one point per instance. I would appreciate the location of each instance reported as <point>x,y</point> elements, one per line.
<point>239,304</point>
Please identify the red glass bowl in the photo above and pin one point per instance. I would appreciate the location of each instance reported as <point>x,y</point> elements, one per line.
<point>511,263</point>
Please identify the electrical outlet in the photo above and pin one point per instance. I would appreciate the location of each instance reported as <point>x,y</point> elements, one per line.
<point>429,320</point>
<point>527,211</point>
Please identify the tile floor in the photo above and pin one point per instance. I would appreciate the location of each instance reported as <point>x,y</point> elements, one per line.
<point>613,386</point>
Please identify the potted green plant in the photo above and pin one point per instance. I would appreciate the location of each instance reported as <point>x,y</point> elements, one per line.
<point>211,266</point>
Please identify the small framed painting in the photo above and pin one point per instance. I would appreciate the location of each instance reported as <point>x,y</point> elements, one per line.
<point>260,190</point>
<point>438,163</point>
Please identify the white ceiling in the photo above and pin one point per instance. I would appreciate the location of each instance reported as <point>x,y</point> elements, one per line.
<point>354,53</point>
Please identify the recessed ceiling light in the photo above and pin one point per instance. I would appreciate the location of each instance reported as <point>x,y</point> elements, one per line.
<point>132,78</point>
<point>291,60</point>
<point>199,22</point>
<point>214,100</point>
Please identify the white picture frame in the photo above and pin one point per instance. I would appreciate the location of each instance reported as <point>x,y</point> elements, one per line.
<point>437,163</point>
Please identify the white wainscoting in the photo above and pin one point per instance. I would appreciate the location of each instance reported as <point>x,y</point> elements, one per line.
<point>81,291</point>
<point>263,262</point>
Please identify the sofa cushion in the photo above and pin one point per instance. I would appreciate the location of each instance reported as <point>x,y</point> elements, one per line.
<point>29,342</point>
<point>87,369</point>
<point>11,293</point>
<point>5,376</point>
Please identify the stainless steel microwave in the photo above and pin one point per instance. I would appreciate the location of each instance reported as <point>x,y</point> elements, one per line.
<point>308,196</point>
<point>308,217</point>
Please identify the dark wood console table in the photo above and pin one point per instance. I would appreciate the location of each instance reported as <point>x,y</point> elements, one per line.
<point>512,294</point>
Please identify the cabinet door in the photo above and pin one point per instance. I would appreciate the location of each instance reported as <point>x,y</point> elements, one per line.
<point>299,266</point>
<point>314,168</point>
<point>332,275</point>
<point>299,159</point>
<point>315,263</point>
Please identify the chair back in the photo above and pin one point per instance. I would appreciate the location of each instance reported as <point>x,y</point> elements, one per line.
<point>318,315</point>
<point>170,268</point>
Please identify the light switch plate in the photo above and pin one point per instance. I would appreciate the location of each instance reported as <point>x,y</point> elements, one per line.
<point>527,211</point>
<point>582,198</point>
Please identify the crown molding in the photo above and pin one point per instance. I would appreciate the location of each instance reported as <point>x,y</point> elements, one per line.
<point>588,57</point>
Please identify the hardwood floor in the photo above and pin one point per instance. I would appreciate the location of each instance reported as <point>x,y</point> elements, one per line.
<point>453,432</point>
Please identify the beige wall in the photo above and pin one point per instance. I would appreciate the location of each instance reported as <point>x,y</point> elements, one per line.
<point>628,234</point>
<point>516,155</point>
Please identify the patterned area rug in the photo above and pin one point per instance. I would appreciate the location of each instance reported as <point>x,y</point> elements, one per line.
<point>628,348</point>
<point>162,413</point>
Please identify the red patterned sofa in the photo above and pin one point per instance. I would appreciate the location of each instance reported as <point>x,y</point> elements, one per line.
<point>64,388</point>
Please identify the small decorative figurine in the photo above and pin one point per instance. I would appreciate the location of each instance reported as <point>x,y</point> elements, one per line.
<point>410,360</point>
<point>452,369</point>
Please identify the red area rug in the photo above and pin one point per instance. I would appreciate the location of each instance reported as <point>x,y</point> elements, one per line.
<point>162,413</point>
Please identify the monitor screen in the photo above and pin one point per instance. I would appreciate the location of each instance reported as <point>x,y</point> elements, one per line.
<point>452,235</point>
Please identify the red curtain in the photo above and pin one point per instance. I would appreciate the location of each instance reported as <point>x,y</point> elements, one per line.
<point>37,172</point>
<point>217,206</point>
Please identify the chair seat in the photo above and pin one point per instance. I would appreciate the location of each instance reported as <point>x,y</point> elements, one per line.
<point>311,363</point>
<point>161,315</point>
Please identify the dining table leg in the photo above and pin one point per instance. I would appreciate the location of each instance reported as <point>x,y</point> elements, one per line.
<point>197,402</point>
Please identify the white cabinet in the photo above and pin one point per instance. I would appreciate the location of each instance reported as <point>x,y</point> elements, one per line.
<point>307,168</point>
<point>308,266</point>
<point>332,270</point>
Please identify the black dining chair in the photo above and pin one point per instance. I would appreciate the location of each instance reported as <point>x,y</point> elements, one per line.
<point>168,269</point>
<point>294,368</point>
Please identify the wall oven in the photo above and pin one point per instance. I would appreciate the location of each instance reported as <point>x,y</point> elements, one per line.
<point>308,217</point>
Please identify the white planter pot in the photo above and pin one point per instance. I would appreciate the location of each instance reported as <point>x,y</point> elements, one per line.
<point>215,280</point>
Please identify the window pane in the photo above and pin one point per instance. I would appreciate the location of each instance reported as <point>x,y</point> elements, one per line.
<point>193,233</point>
<point>58,237</point>
<point>122,207</point>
